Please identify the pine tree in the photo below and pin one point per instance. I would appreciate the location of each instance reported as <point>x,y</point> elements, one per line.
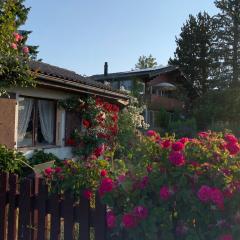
<point>146,62</point>
<point>227,42</point>
<point>194,54</point>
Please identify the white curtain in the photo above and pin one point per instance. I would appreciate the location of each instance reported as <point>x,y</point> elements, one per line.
<point>46,113</point>
<point>24,113</point>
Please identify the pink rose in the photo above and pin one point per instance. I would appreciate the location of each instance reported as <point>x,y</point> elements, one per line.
<point>226,237</point>
<point>151,133</point>
<point>203,134</point>
<point>204,193</point>
<point>144,182</point>
<point>230,138</point>
<point>177,146</point>
<point>87,194</point>
<point>121,178</point>
<point>184,140</point>
<point>141,212</point>
<point>25,50</point>
<point>129,220</point>
<point>14,46</point>
<point>177,158</point>
<point>217,197</point>
<point>233,148</point>
<point>58,170</point>
<point>107,185</point>
<point>165,193</point>
<point>17,37</point>
<point>49,171</point>
<point>149,168</point>
<point>111,219</point>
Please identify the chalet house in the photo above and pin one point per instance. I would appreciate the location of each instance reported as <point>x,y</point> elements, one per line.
<point>30,119</point>
<point>162,87</point>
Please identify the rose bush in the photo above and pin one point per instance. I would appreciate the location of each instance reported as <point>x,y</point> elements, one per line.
<point>176,189</point>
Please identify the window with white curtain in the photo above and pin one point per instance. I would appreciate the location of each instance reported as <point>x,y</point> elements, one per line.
<point>36,122</point>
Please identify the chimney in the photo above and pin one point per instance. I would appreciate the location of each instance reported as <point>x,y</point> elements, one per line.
<point>105,69</point>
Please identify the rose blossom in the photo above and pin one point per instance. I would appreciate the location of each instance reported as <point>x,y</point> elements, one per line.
<point>140,212</point>
<point>165,193</point>
<point>86,123</point>
<point>49,171</point>
<point>166,143</point>
<point>233,148</point>
<point>58,170</point>
<point>104,173</point>
<point>14,46</point>
<point>204,193</point>
<point>129,220</point>
<point>230,138</point>
<point>107,185</point>
<point>217,197</point>
<point>184,140</point>
<point>151,133</point>
<point>177,158</point>
<point>203,134</point>
<point>144,182</point>
<point>87,194</point>
<point>177,146</point>
<point>25,50</point>
<point>226,237</point>
<point>99,150</point>
<point>111,219</point>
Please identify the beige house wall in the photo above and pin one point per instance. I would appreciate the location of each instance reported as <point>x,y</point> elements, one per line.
<point>8,122</point>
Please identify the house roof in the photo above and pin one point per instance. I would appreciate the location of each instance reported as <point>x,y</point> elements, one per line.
<point>147,72</point>
<point>60,77</point>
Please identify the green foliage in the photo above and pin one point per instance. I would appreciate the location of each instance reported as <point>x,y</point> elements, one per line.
<point>14,60</point>
<point>39,156</point>
<point>11,161</point>
<point>163,118</point>
<point>182,214</point>
<point>146,62</point>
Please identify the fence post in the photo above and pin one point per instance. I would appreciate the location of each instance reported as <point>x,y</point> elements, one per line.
<point>3,203</point>
<point>100,220</point>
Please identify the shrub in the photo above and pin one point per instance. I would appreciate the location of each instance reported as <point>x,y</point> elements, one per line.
<point>177,189</point>
<point>39,156</point>
<point>11,161</point>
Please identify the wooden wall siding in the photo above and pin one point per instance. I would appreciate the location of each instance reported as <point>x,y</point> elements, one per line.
<point>29,212</point>
<point>7,122</point>
<point>170,104</point>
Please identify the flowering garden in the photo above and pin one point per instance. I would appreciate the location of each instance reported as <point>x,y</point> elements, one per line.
<point>163,188</point>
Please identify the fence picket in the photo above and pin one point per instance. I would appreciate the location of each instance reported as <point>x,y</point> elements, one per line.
<point>35,202</point>
<point>67,210</point>
<point>24,224</point>
<point>12,216</point>
<point>55,216</point>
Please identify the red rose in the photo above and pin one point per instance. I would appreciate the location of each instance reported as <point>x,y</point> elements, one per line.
<point>233,148</point>
<point>104,173</point>
<point>226,237</point>
<point>230,138</point>
<point>86,123</point>
<point>87,194</point>
<point>49,171</point>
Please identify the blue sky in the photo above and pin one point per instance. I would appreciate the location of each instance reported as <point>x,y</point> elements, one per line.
<point>82,34</point>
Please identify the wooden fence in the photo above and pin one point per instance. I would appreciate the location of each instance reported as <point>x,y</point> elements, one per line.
<point>29,212</point>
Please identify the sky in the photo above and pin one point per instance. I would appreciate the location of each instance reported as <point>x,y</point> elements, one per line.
<point>81,35</point>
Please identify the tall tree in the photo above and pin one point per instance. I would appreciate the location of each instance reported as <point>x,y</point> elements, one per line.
<point>227,42</point>
<point>146,62</point>
<point>194,54</point>
<point>14,54</point>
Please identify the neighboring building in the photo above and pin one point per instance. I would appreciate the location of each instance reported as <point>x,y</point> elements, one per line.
<point>30,119</point>
<point>162,87</point>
